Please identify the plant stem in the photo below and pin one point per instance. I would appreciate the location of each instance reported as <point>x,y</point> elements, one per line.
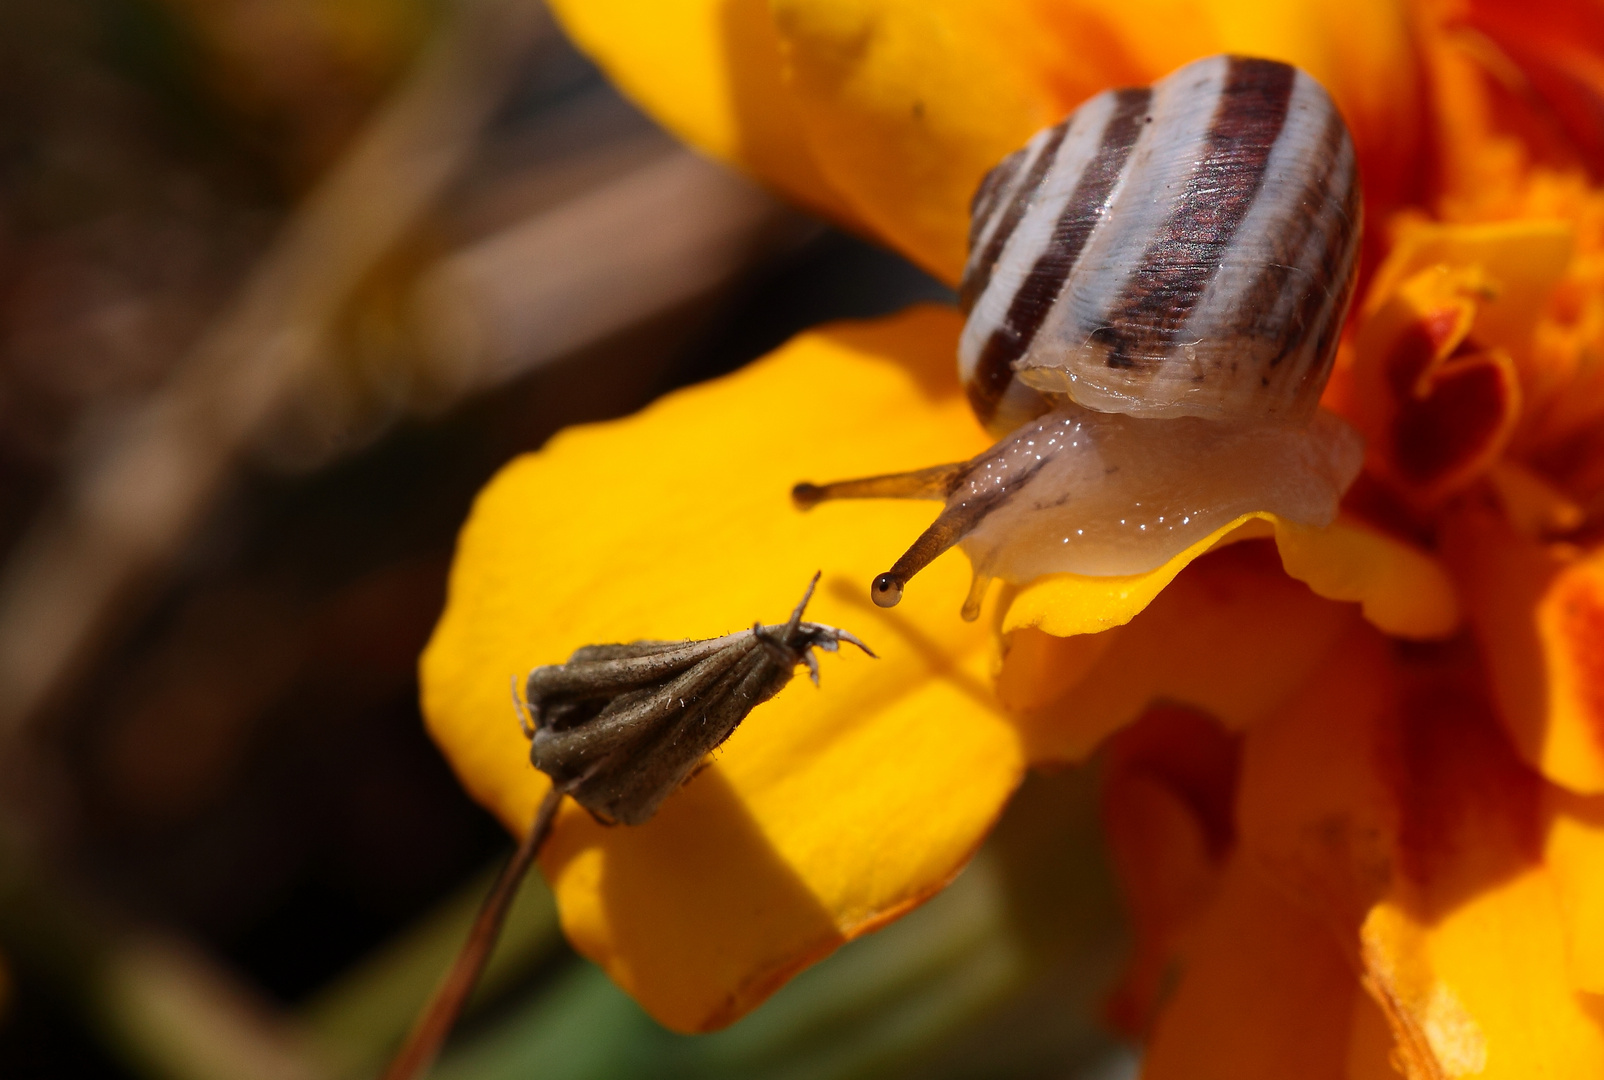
<point>439,1016</point>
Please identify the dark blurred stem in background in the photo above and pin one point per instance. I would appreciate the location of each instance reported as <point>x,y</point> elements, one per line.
<point>428,1034</point>
<point>124,511</point>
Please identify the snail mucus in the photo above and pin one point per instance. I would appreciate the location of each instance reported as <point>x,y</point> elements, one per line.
<point>1154,294</point>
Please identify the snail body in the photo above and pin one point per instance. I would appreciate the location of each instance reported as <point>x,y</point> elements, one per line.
<point>1154,294</point>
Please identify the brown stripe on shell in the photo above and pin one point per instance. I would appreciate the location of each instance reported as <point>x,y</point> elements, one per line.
<point>984,204</point>
<point>1285,268</point>
<point>1037,293</point>
<point>1342,266</point>
<point>1185,255</point>
<point>979,274</point>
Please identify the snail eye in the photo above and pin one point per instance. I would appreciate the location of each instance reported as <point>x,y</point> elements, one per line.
<point>886,590</point>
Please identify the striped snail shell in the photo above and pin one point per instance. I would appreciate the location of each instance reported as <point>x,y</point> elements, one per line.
<point>1155,291</point>
<point>1184,249</point>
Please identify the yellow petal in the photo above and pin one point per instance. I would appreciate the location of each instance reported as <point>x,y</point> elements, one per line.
<point>1399,588</point>
<point>1574,853</point>
<point>1521,263</point>
<point>1468,952</point>
<point>830,810</point>
<point>907,103</point>
<point>710,71</point>
<point>1484,991</point>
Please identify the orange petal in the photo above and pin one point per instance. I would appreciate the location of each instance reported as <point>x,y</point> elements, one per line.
<point>1167,786</point>
<point>1558,49</point>
<point>830,810</point>
<point>1315,815</point>
<point>1533,506</point>
<point>907,103</point>
<point>1267,992</point>
<point>1519,264</point>
<point>1399,588</point>
<point>1539,615</point>
<point>1314,810</point>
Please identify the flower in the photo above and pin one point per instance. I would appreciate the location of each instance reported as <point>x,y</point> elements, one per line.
<point>1354,781</point>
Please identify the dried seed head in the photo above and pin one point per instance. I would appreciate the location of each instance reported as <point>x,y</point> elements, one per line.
<point>620,727</point>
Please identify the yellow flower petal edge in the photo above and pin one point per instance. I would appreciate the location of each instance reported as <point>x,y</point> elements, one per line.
<point>830,810</point>
<point>1523,261</point>
<point>1400,589</point>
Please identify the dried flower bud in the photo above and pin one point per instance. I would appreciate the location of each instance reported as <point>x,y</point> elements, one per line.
<point>620,727</point>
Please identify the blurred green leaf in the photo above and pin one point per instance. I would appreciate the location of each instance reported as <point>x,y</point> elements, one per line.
<point>360,1018</point>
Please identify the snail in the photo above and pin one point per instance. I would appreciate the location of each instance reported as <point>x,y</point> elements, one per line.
<point>1154,294</point>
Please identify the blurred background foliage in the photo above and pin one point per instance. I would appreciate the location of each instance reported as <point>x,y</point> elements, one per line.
<point>282,282</point>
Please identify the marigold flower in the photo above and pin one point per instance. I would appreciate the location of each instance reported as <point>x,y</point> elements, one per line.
<point>1366,824</point>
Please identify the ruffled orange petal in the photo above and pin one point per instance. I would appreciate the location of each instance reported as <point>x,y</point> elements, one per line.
<point>830,810</point>
<point>1232,633</point>
<point>1538,612</point>
<point>1483,992</point>
<point>887,113</point>
<point>1517,266</point>
<point>1267,975</point>
<point>1385,827</point>
<point>1315,808</point>
<point>1445,349</point>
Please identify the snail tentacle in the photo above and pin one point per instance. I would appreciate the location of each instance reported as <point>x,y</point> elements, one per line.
<point>935,482</point>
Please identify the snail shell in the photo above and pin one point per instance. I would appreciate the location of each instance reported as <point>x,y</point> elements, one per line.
<point>1164,275</point>
<point>1184,249</point>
